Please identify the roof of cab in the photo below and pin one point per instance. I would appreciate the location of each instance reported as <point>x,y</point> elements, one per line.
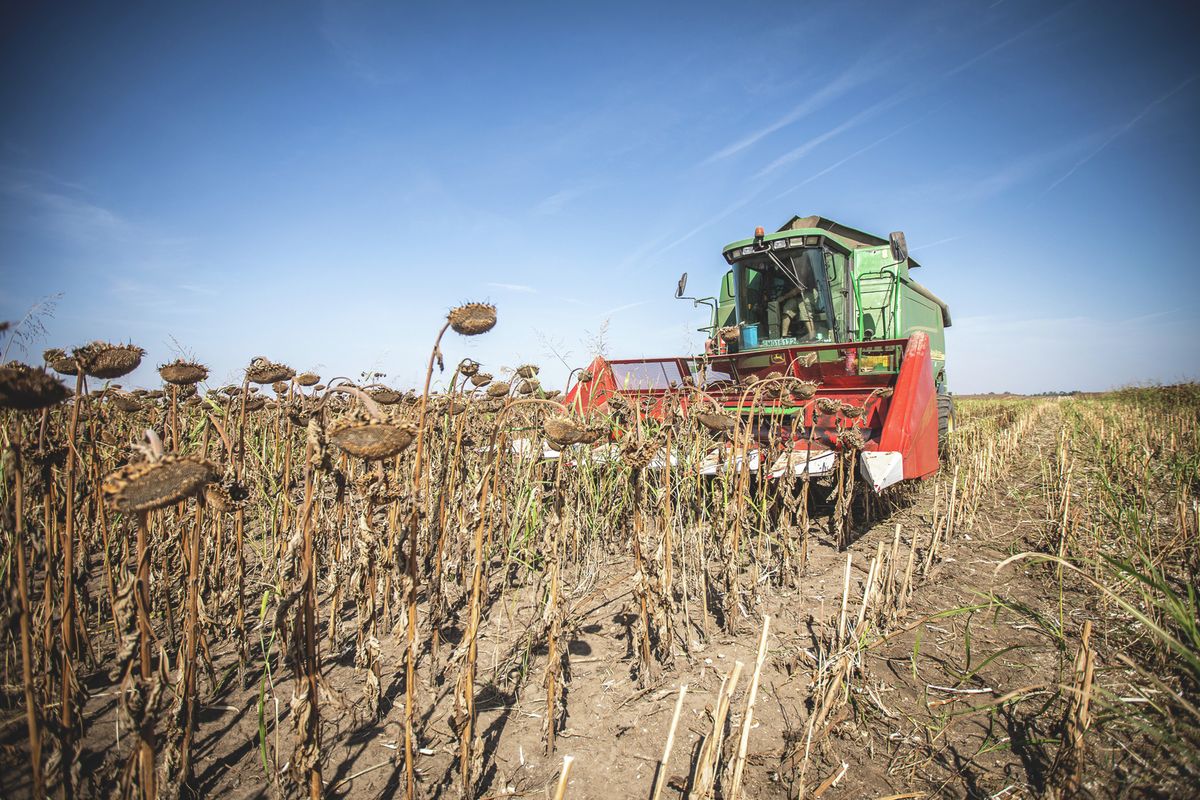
<point>853,235</point>
<point>851,238</point>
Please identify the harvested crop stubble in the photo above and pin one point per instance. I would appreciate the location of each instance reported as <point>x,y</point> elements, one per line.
<point>452,609</point>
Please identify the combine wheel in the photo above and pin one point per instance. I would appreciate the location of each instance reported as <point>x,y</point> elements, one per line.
<point>945,406</point>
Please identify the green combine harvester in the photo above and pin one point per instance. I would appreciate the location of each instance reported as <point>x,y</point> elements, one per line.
<point>820,342</point>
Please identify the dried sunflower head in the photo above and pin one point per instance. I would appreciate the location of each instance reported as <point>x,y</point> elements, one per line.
<point>183,373</point>
<point>472,319</point>
<point>593,433</point>
<point>386,396</point>
<point>252,403</point>
<point>480,379</point>
<point>528,387</point>
<point>806,359</point>
<point>60,362</point>
<point>371,439</point>
<point>300,413</point>
<point>828,405</point>
<point>217,498</point>
<point>26,389</point>
<point>263,371</point>
<point>125,402</point>
<point>805,390</point>
<point>497,389</point>
<point>851,412</point>
<point>308,379</point>
<point>715,421</point>
<point>226,495</point>
<point>563,431</point>
<point>638,454</point>
<point>527,370</point>
<point>65,366</point>
<point>107,361</point>
<point>852,439</point>
<point>467,367</point>
<point>147,485</point>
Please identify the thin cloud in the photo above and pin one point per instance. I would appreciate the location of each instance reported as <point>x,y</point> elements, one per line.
<point>708,223</point>
<point>829,92</point>
<point>625,307</point>
<point>900,97</point>
<point>1121,131</point>
<point>348,37</point>
<point>514,287</point>
<point>855,154</point>
<point>937,243</point>
<point>807,147</point>
<point>1024,169</point>
<point>558,201</point>
<point>644,251</point>
<point>68,217</point>
<point>151,297</point>
<point>996,48</point>
<point>197,289</point>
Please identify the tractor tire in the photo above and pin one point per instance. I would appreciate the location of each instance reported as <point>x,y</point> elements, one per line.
<point>945,406</point>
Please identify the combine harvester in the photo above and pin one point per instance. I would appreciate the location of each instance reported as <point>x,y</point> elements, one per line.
<point>820,343</point>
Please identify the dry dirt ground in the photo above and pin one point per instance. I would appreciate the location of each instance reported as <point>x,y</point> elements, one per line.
<point>908,730</point>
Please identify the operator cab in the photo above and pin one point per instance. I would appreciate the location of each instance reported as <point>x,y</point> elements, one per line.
<point>778,293</point>
<point>783,298</point>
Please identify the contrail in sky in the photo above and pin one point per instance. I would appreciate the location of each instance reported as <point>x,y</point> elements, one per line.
<point>1122,130</point>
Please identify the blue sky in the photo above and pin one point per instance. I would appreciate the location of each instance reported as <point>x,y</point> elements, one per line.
<point>319,183</point>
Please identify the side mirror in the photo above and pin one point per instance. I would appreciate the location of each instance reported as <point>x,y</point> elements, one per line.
<point>899,246</point>
<point>682,287</point>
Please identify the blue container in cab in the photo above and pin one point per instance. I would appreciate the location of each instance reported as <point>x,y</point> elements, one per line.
<point>750,336</point>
